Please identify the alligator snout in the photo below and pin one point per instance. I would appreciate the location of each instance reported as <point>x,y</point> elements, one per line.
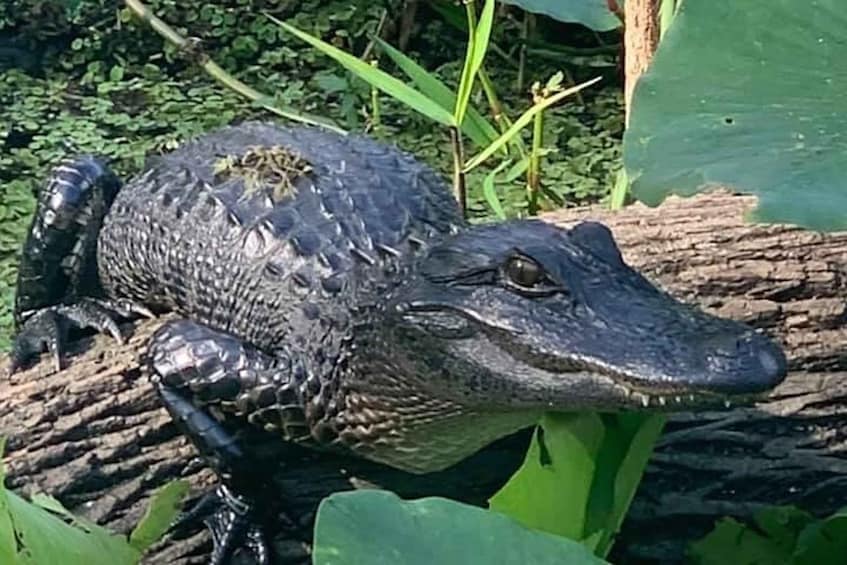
<point>742,364</point>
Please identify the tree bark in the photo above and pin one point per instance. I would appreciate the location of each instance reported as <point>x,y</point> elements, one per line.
<point>94,435</point>
<point>790,449</point>
<point>641,37</point>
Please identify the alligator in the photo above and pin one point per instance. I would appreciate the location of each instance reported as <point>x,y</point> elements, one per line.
<point>328,292</point>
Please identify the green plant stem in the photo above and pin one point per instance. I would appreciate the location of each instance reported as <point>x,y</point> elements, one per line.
<point>459,186</point>
<point>376,34</point>
<point>501,118</point>
<point>533,171</point>
<point>215,71</point>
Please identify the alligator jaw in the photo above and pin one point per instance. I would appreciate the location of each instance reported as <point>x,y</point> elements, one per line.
<point>582,387</point>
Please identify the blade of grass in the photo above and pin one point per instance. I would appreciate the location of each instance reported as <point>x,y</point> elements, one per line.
<point>489,191</point>
<point>380,79</point>
<point>161,512</point>
<point>478,36</point>
<point>619,191</point>
<point>522,122</point>
<point>476,127</point>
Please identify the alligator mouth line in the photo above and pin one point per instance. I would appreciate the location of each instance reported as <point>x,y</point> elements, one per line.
<point>628,388</point>
<point>670,401</point>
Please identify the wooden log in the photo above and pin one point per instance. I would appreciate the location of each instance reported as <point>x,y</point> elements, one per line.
<point>94,436</point>
<point>790,449</point>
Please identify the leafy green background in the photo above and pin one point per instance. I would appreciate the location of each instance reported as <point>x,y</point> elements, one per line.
<point>752,95</point>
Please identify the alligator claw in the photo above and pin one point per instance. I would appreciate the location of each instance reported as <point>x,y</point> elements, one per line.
<point>232,523</point>
<point>41,331</point>
<point>126,308</point>
<point>44,328</point>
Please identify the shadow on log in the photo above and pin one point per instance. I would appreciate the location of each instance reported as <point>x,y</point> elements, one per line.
<point>94,436</point>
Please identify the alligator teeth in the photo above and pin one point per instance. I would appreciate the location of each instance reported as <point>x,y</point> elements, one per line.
<point>645,401</point>
<point>727,403</point>
<point>678,399</point>
<point>662,400</point>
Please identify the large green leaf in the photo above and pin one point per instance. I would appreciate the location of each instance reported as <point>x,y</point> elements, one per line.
<point>751,95</point>
<point>374,527</point>
<point>580,475</point>
<point>7,532</point>
<point>627,445</point>
<point>590,13</point>
<point>550,491</point>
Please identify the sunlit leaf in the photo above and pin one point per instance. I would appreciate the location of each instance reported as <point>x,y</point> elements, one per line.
<point>551,490</point>
<point>476,50</point>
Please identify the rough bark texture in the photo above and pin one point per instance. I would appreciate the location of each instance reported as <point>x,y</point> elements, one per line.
<point>94,435</point>
<point>791,449</point>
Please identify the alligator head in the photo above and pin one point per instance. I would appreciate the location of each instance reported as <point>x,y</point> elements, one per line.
<point>502,322</point>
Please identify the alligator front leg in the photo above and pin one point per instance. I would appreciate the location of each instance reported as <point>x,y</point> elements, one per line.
<point>57,278</point>
<point>212,384</point>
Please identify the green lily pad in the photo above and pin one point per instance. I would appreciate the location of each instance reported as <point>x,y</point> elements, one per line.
<point>594,14</point>
<point>373,527</point>
<point>750,95</point>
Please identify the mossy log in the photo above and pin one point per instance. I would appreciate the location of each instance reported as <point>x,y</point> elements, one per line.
<point>94,436</point>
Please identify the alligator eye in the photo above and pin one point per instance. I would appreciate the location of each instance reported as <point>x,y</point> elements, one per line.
<point>524,272</point>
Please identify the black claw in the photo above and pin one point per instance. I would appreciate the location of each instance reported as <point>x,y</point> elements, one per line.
<point>91,314</point>
<point>232,523</point>
<point>44,329</point>
<point>126,308</point>
<point>41,331</point>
